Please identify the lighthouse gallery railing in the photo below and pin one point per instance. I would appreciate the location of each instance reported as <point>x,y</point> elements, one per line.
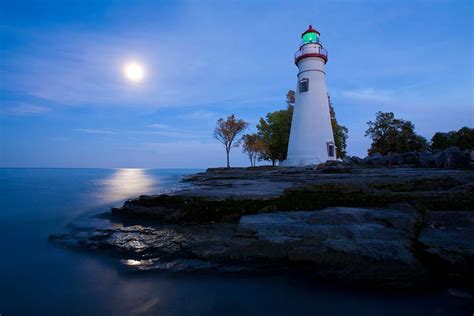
<point>311,49</point>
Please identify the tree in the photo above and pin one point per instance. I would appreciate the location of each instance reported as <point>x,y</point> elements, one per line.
<point>226,132</point>
<point>442,140</point>
<point>463,138</point>
<point>392,135</point>
<point>253,147</point>
<point>274,131</point>
<point>290,99</point>
<point>340,132</point>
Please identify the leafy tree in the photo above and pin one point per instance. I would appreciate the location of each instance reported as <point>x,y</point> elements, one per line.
<point>252,146</point>
<point>340,132</point>
<point>274,131</point>
<point>392,135</point>
<point>442,140</point>
<point>226,132</point>
<point>290,99</point>
<point>463,138</point>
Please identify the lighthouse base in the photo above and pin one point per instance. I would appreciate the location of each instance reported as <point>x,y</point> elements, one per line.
<point>300,162</point>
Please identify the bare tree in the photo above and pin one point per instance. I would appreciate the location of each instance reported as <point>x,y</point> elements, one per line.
<point>226,132</point>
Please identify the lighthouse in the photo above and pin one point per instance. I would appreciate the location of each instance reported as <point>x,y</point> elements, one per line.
<point>311,137</point>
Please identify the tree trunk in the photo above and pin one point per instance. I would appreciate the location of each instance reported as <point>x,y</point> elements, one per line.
<point>228,163</point>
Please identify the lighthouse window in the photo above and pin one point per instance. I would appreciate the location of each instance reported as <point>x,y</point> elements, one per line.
<point>331,149</point>
<point>303,85</point>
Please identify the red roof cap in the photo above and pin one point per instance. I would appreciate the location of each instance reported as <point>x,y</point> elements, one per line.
<point>310,30</point>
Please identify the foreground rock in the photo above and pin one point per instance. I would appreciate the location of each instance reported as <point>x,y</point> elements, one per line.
<point>368,246</point>
<point>344,243</point>
<point>447,242</point>
<point>381,226</point>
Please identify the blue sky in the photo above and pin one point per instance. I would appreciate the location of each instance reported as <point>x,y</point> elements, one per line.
<point>65,103</point>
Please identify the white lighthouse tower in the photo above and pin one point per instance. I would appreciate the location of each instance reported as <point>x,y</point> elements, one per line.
<point>311,136</point>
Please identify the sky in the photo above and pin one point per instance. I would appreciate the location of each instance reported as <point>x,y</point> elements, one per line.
<point>64,101</point>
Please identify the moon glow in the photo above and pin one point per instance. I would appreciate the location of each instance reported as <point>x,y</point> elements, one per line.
<point>134,71</point>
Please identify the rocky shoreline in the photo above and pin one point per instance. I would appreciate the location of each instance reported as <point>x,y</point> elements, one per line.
<point>395,227</point>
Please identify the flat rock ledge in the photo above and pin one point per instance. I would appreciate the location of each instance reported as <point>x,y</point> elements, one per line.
<point>224,195</point>
<point>394,247</point>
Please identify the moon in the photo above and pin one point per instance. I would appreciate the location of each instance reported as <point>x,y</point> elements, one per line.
<point>134,71</point>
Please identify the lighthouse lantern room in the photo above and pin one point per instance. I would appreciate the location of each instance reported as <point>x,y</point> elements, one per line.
<point>311,137</point>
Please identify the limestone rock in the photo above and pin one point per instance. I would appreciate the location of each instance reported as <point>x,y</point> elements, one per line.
<point>345,243</point>
<point>447,241</point>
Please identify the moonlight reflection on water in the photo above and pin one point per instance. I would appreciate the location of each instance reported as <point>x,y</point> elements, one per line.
<point>127,183</point>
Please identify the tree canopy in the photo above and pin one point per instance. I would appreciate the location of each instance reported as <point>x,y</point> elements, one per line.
<point>252,145</point>
<point>392,135</point>
<point>340,132</point>
<point>227,132</point>
<point>463,138</point>
<point>274,131</point>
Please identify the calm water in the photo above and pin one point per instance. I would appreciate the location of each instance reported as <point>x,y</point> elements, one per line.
<point>39,278</point>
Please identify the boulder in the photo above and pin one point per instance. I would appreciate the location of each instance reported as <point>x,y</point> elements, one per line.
<point>348,160</point>
<point>375,159</point>
<point>356,160</point>
<point>410,158</point>
<point>455,158</point>
<point>450,158</point>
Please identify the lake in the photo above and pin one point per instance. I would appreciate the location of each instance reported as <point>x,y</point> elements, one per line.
<point>40,278</point>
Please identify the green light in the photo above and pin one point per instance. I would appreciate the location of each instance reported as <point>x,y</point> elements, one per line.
<point>310,37</point>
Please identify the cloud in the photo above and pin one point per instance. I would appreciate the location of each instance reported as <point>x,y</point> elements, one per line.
<point>96,131</point>
<point>167,130</point>
<point>159,126</point>
<point>175,133</point>
<point>369,94</point>
<point>27,109</point>
<point>200,114</point>
<point>164,131</point>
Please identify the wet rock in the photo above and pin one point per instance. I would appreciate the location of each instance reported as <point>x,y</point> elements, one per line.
<point>178,265</point>
<point>334,166</point>
<point>344,243</point>
<point>447,242</point>
<point>376,246</point>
